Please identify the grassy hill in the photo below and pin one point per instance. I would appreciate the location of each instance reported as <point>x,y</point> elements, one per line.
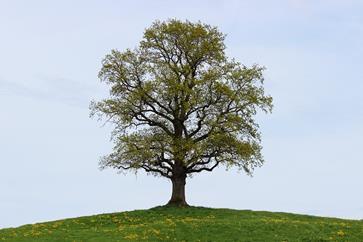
<point>190,224</point>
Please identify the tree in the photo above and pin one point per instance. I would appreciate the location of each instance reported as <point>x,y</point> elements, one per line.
<point>180,106</point>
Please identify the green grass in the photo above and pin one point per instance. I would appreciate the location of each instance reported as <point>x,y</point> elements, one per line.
<point>190,224</point>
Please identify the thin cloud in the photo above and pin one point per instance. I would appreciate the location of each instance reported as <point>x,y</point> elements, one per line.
<point>62,90</point>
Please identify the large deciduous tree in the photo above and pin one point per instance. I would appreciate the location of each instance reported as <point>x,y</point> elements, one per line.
<point>180,106</point>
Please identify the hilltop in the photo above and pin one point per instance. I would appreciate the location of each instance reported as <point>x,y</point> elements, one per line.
<point>190,224</point>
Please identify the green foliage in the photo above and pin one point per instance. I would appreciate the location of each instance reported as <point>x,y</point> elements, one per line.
<point>190,224</point>
<point>178,101</point>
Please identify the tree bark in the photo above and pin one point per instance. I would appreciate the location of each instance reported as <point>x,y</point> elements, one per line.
<point>178,192</point>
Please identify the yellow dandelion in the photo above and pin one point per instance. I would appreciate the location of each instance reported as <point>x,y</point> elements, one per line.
<point>340,233</point>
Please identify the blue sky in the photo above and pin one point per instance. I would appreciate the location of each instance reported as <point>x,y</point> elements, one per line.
<point>50,54</point>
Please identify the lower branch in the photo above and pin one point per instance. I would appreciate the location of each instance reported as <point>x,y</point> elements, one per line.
<point>195,170</point>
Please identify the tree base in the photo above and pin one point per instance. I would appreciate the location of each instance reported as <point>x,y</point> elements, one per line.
<point>177,204</point>
<point>178,193</point>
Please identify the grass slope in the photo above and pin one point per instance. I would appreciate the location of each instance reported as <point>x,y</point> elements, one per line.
<point>190,224</point>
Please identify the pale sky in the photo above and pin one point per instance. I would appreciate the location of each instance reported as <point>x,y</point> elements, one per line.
<point>51,52</point>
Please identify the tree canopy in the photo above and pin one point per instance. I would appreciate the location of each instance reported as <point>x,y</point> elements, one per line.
<point>181,106</point>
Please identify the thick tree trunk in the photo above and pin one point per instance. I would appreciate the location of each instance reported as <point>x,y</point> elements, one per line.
<point>178,192</point>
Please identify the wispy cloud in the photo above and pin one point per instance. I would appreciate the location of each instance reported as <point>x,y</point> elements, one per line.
<point>63,90</point>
